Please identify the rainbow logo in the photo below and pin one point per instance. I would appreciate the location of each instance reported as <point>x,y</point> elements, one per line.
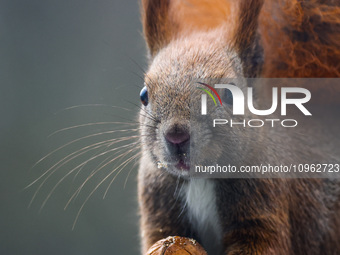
<point>209,93</point>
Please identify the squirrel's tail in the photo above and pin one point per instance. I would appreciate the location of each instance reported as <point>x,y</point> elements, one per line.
<point>301,38</point>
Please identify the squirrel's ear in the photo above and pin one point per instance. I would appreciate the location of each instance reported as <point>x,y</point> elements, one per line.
<point>246,39</point>
<point>158,25</point>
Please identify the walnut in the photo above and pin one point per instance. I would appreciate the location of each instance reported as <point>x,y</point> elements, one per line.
<point>176,245</point>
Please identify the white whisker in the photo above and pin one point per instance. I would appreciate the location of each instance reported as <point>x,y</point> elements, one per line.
<point>107,189</point>
<point>88,197</point>
<point>75,194</point>
<point>85,149</point>
<point>65,176</point>
<point>63,161</point>
<point>91,105</point>
<point>77,140</point>
<point>127,177</point>
<point>91,124</point>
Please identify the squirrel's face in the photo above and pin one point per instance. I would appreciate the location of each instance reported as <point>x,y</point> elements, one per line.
<point>183,54</point>
<point>168,133</point>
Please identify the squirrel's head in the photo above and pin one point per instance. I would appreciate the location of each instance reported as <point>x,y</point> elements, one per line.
<point>179,58</point>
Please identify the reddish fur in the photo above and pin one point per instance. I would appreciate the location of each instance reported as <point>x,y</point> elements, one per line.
<point>319,56</point>
<point>279,22</point>
<point>200,14</point>
<point>300,39</point>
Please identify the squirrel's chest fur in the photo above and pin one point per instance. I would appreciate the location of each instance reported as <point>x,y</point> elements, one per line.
<point>199,201</point>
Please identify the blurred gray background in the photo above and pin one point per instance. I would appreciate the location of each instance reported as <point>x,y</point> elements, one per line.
<point>55,55</point>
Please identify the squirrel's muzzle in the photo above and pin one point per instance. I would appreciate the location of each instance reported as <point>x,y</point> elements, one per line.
<point>177,139</point>
<point>177,136</point>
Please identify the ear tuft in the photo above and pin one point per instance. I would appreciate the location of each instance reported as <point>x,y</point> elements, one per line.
<point>158,26</point>
<point>246,37</point>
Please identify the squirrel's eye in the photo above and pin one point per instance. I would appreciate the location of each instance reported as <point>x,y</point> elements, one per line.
<point>144,96</point>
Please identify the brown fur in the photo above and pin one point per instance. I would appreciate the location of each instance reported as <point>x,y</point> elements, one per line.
<point>196,39</point>
<point>299,38</point>
<point>304,39</point>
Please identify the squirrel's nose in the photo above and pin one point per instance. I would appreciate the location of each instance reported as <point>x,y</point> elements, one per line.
<point>177,136</point>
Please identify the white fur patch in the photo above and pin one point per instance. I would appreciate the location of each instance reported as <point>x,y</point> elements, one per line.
<point>200,202</point>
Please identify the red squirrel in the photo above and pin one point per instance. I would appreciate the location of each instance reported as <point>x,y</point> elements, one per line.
<point>205,39</point>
